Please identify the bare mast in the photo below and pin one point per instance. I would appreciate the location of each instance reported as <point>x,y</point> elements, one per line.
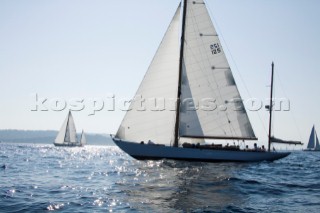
<point>270,107</point>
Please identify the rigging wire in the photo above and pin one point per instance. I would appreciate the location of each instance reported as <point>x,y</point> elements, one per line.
<point>286,96</point>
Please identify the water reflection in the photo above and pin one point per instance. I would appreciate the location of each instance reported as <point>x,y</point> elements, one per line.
<point>176,185</point>
<point>206,187</point>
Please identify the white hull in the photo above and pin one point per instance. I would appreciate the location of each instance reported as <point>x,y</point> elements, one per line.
<point>155,152</point>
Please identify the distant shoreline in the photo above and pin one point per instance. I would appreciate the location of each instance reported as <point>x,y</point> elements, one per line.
<point>48,137</point>
<point>47,143</point>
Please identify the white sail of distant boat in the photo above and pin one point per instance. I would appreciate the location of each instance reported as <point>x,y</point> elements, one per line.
<point>192,78</point>
<point>317,148</point>
<point>313,144</point>
<point>83,139</point>
<point>67,135</point>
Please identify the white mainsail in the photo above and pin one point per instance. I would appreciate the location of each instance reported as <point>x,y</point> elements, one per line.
<point>142,123</point>
<point>311,139</point>
<point>210,82</point>
<point>83,139</point>
<point>67,133</point>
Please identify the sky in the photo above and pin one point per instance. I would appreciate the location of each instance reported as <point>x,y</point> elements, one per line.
<point>92,50</point>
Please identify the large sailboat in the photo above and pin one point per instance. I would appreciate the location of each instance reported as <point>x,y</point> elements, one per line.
<point>189,96</point>
<point>313,144</point>
<point>67,135</point>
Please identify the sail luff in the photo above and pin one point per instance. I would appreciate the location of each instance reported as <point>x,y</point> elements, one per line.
<point>176,131</point>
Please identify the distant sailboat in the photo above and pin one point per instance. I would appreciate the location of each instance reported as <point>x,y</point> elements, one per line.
<point>194,68</point>
<point>67,135</point>
<point>313,144</point>
<point>83,140</point>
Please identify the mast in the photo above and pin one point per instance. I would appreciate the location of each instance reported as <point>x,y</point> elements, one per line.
<point>176,131</point>
<point>270,107</point>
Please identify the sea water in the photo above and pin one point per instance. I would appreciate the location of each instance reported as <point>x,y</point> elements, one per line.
<point>40,178</point>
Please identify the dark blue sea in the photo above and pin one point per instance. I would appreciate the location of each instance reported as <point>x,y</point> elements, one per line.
<point>40,178</point>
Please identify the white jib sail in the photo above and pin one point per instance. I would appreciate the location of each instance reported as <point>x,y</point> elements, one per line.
<point>61,135</point>
<point>144,121</point>
<point>207,80</point>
